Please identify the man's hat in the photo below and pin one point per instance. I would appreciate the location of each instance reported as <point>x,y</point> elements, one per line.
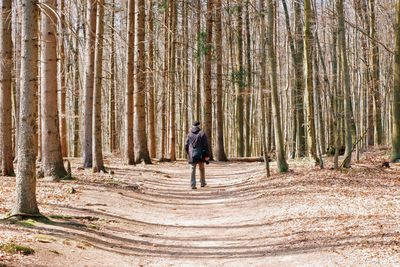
<point>196,123</point>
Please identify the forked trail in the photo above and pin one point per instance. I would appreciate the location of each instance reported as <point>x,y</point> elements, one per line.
<point>240,218</point>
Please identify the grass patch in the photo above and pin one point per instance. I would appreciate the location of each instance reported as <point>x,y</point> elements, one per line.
<point>61,217</point>
<point>27,223</point>
<point>13,248</point>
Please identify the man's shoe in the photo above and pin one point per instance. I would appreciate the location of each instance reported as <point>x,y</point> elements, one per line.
<point>193,187</point>
<point>203,185</point>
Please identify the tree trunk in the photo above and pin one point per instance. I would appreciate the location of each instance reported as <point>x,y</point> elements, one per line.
<point>207,77</point>
<point>89,82</point>
<point>6,52</point>
<point>141,150</point>
<point>263,87</point>
<point>221,156</point>
<point>172,80</point>
<point>396,91</point>
<point>377,110</point>
<point>52,160</point>
<point>308,51</point>
<point>26,171</point>
<point>112,111</point>
<point>280,153</point>
<point>63,80</point>
<point>98,164</point>
<point>150,95</point>
<point>239,81</point>
<point>129,149</point>
<point>346,83</point>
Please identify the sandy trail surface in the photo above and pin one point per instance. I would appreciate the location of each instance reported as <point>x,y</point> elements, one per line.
<point>149,216</point>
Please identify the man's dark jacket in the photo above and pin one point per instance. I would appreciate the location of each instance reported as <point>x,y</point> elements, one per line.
<point>196,139</point>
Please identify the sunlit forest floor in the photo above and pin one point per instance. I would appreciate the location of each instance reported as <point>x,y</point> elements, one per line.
<point>149,216</point>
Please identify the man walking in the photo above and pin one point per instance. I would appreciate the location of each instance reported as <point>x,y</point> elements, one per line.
<point>198,153</point>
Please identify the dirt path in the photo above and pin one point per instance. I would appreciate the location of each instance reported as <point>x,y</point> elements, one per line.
<point>239,219</point>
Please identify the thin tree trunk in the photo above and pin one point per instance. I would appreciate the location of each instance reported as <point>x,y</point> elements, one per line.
<point>150,95</point>
<point>280,153</point>
<point>377,110</point>
<point>221,156</point>
<point>172,80</point>
<point>129,149</point>
<point>396,90</point>
<point>239,81</point>
<point>98,164</point>
<point>207,77</point>
<point>346,83</point>
<point>141,150</point>
<point>308,51</point>
<point>6,52</point>
<point>63,82</point>
<point>89,82</point>
<point>112,112</point>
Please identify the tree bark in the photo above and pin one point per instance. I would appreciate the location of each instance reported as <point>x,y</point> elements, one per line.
<point>129,149</point>
<point>98,164</point>
<point>346,83</point>
<point>240,83</point>
<point>280,153</point>
<point>207,77</point>
<point>6,52</point>
<point>52,160</point>
<point>26,171</point>
<point>308,52</point>
<point>172,80</point>
<point>89,82</point>
<point>221,156</point>
<point>396,90</point>
<point>150,95</point>
<point>141,150</point>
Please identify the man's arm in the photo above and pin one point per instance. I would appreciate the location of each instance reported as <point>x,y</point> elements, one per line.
<point>187,145</point>
<point>206,146</point>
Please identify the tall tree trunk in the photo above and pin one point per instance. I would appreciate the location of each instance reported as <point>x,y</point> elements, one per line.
<point>77,88</point>
<point>141,150</point>
<point>172,80</point>
<point>240,83</point>
<point>165,84</point>
<point>52,160</point>
<point>308,51</point>
<point>198,62</point>
<point>280,153</point>
<point>377,110</point>
<point>129,149</point>
<point>396,90</point>
<point>263,87</point>
<point>98,164</point>
<point>221,156</point>
<point>89,82</point>
<point>112,112</point>
<point>346,83</point>
<point>207,77</point>
<point>63,81</point>
<point>150,95</point>
<point>249,84</point>
<point>26,171</point>
<point>6,52</point>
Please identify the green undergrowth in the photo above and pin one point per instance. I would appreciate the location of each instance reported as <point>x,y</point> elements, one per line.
<point>13,248</point>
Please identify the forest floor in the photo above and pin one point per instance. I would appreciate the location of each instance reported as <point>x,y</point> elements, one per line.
<point>149,216</point>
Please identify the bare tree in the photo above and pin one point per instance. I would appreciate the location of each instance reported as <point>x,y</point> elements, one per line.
<point>52,161</point>
<point>25,203</point>
<point>6,53</point>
